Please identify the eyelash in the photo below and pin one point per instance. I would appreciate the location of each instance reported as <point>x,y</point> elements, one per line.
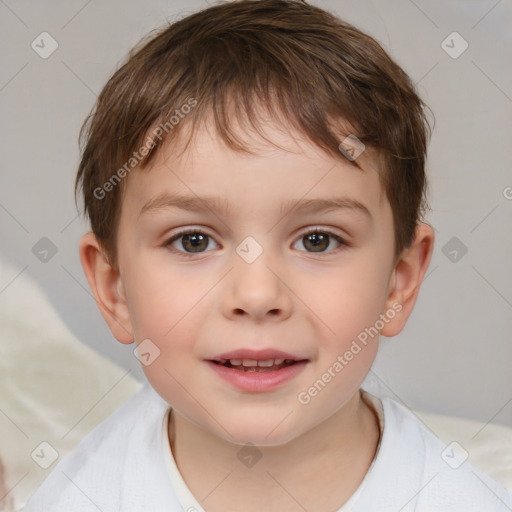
<point>176,236</point>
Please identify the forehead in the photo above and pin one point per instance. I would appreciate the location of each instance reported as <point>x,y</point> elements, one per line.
<point>283,169</point>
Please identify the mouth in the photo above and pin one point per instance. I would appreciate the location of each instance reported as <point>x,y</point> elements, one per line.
<point>252,365</point>
<point>257,371</point>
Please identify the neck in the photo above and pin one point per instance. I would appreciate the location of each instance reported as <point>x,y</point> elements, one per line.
<point>319,470</point>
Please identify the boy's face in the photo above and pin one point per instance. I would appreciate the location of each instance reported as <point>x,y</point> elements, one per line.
<point>308,296</point>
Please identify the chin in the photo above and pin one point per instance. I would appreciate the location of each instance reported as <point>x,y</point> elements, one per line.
<point>258,434</point>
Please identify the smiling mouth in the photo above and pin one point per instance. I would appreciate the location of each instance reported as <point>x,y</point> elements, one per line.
<point>249,366</point>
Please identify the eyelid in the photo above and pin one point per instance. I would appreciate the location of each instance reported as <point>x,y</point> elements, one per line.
<point>322,229</point>
<point>307,231</point>
<point>342,240</point>
<point>186,231</point>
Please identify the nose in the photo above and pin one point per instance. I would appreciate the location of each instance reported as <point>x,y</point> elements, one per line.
<point>257,291</point>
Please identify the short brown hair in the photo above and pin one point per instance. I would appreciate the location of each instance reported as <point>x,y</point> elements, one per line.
<point>296,59</point>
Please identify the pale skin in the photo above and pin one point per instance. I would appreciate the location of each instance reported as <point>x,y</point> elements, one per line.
<point>291,298</point>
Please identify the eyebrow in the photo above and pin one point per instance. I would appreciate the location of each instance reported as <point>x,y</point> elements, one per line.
<point>222,205</point>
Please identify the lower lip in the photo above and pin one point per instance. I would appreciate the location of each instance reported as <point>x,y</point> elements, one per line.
<point>257,382</point>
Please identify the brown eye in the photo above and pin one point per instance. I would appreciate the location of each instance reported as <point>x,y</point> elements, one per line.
<point>195,242</point>
<point>319,241</point>
<point>189,242</point>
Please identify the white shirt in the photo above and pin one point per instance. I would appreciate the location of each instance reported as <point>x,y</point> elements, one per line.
<point>126,464</point>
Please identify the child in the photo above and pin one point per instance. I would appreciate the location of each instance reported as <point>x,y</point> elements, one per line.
<point>254,177</point>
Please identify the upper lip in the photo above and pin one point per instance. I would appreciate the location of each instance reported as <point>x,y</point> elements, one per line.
<point>257,355</point>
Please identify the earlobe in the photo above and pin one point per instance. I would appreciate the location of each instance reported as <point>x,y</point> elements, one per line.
<point>107,288</point>
<point>406,279</point>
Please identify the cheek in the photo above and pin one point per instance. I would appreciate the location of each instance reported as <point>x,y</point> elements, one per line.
<point>169,320</point>
<point>163,297</point>
<point>165,307</point>
<point>349,299</point>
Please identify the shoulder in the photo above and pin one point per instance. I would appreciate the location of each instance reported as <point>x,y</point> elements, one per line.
<point>110,459</point>
<point>417,471</point>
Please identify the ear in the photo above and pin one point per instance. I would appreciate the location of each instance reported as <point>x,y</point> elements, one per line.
<point>107,287</point>
<point>406,279</point>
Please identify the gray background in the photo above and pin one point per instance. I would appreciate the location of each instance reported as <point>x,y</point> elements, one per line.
<point>455,354</point>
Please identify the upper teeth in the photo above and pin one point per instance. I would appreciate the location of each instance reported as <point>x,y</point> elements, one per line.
<point>253,362</point>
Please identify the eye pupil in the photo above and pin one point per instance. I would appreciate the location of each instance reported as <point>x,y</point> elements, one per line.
<point>197,241</point>
<point>317,241</point>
